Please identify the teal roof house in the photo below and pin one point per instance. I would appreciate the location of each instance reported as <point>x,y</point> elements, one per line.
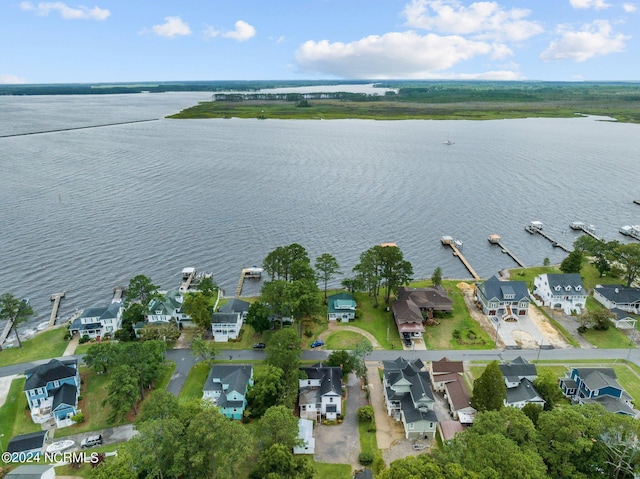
<point>341,307</point>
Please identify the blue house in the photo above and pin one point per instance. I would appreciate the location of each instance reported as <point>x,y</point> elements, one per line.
<point>227,386</point>
<point>52,391</point>
<point>587,385</point>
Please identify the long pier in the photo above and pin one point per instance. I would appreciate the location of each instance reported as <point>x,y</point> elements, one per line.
<point>5,333</point>
<point>590,230</point>
<point>495,239</point>
<point>56,298</point>
<point>250,273</point>
<point>536,227</point>
<point>448,241</point>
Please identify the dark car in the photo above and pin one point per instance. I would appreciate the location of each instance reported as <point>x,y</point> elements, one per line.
<point>317,343</point>
<point>259,346</point>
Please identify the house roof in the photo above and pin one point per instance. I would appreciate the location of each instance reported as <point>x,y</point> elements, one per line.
<point>612,404</point>
<point>330,378</point>
<point>458,394</point>
<point>409,373</point>
<point>225,318</point>
<point>366,473</point>
<point>448,429</point>
<point>28,471</point>
<point>54,370</point>
<point>622,314</point>
<point>494,289</point>
<point>445,365</point>
<point>517,369</point>
<point>413,414</point>
<point>525,391</point>
<point>102,312</point>
<point>619,294</point>
<point>65,394</point>
<point>236,376</point>
<point>235,306</point>
<point>339,302</point>
<point>568,283</point>
<point>27,442</point>
<point>412,301</point>
<point>598,378</point>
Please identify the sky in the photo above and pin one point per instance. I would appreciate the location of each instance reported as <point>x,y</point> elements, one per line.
<point>199,40</point>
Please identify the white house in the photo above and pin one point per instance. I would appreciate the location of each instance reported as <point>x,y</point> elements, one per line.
<point>167,309</point>
<point>320,393</point>
<point>96,322</point>
<point>226,326</point>
<point>617,296</point>
<point>561,291</point>
<point>305,435</point>
<point>519,375</point>
<point>341,307</point>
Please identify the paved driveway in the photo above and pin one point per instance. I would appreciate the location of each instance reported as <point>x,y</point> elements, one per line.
<point>340,444</point>
<point>110,435</point>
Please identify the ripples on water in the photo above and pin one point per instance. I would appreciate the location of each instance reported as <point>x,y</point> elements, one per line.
<point>84,211</point>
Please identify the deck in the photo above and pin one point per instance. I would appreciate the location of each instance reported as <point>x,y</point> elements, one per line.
<point>536,227</point>
<point>495,239</point>
<point>56,298</point>
<point>448,241</point>
<point>247,273</point>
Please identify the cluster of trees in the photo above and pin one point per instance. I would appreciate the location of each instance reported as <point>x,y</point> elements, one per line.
<point>351,361</point>
<point>194,440</point>
<point>14,311</point>
<point>133,367</point>
<point>577,442</point>
<point>608,257</point>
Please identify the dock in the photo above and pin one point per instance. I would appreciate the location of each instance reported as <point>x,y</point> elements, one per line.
<point>56,298</point>
<point>536,227</point>
<point>188,275</point>
<point>449,241</point>
<point>590,230</point>
<point>247,273</point>
<point>118,293</point>
<point>632,231</point>
<point>637,202</point>
<point>495,239</point>
<point>5,332</point>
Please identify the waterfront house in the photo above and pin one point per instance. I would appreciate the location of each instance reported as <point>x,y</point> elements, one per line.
<point>409,398</point>
<point>235,305</point>
<point>505,300</point>
<point>600,385</point>
<point>166,309</point>
<point>561,291</point>
<point>52,391</point>
<point>227,386</point>
<point>414,306</point>
<point>305,435</point>
<point>31,444</point>
<point>618,296</point>
<point>341,307</point>
<point>98,321</point>
<point>320,392</point>
<point>226,326</point>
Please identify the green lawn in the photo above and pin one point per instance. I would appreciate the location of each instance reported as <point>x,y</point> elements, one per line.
<point>14,415</point>
<point>343,340</point>
<point>612,338</point>
<point>629,381</point>
<point>333,471</point>
<point>368,441</point>
<point>195,382</point>
<point>377,321</point>
<point>47,344</point>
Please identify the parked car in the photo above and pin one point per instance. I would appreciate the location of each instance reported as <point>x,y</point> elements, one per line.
<point>317,343</point>
<point>91,441</point>
<point>259,346</point>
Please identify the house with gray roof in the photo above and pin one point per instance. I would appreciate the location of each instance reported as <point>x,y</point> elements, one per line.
<point>226,326</point>
<point>320,392</point>
<point>585,385</point>
<point>32,471</point>
<point>31,444</point>
<point>523,394</point>
<point>52,391</point>
<point>618,296</point>
<point>624,319</point>
<point>505,300</point>
<point>413,306</point>
<point>561,291</point>
<point>227,386</point>
<point>235,305</point>
<point>341,307</point>
<point>167,309</point>
<point>98,321</point>
<point>409,398</point>
<point>516,370</point>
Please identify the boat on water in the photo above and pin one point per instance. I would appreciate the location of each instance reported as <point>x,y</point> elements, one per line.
<point>631,230</point>
<point>59,446</point>
<point>448,142</point>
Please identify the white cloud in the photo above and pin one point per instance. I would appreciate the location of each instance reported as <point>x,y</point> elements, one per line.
<point>243,32</point>
<point>393,55</point>
<point>481,19</point>
<point>595,4</point>
<point>172,27</point>
<point>629,7</point>
<point>593,40</point>
<point>7,79</point>
<point>66,12</point>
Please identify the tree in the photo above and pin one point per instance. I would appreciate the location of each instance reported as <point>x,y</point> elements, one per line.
<point>489,390</point>
<point>509,422</point>
<point>122,393</point>
<point>279,426</point>
<point>342,359</point>
<point>284,351</point>
<point>268,389</point>
<point>258,317</point>
<point>394,270</point>
<point>160,404</point>
<point>208,287</point>
<point>140,289</point>
<point>160,332</point>
<point>154,447</point>
<point>436,277</point>
<point>572,263</point>
<point>15,311</point>
<point>288,263</point>
<point>368,273</point>
<point>532,411</point>
<point>600,319</point>
<point>133,314</point>
<point>547,386</point>
<point>327,267</point>
<point>204,350</point>
<point>196,305</point>
<point>277,462</point>
<point>101,356</point>
<point>628,256</point>
<point>358,357</point>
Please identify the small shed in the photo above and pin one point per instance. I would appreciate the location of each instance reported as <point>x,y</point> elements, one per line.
<point>32,471</point>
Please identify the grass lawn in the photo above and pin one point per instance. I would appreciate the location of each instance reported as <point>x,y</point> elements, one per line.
<point>612,338</point>
<point>528,274</point>
<point>377,321</point>
<point>14,415</point>
<point>629,381</point>
<point>85,469</point>
<point>368,441</point>
<point>47,344</point>
<point>343,340</point>
<point>334,471</point>
<point>194,383</point>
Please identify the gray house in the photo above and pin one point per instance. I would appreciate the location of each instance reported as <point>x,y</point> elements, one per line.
<point>503,299</point>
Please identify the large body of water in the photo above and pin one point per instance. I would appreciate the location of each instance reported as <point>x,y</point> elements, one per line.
<point>84,210</point>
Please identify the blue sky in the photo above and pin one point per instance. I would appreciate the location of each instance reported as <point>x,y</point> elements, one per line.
<point>162,40</point>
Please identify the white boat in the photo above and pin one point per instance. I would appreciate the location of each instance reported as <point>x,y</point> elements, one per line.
<point>448,142</point>
<point>59,446</point>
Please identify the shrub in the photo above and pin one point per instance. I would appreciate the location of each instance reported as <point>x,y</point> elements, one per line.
<point>78,418</point>
<point>308,333</point>
<point>365,413</point>
<point>365,458</point>
<point>84,339</point>
<point>457,334</point>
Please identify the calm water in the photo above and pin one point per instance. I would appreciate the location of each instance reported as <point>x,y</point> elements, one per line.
<point>83,211</point>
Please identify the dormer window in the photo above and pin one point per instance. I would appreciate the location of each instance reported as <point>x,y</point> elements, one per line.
<point>578,288</point>
<point>557,287</point>
<point>567,288</point>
